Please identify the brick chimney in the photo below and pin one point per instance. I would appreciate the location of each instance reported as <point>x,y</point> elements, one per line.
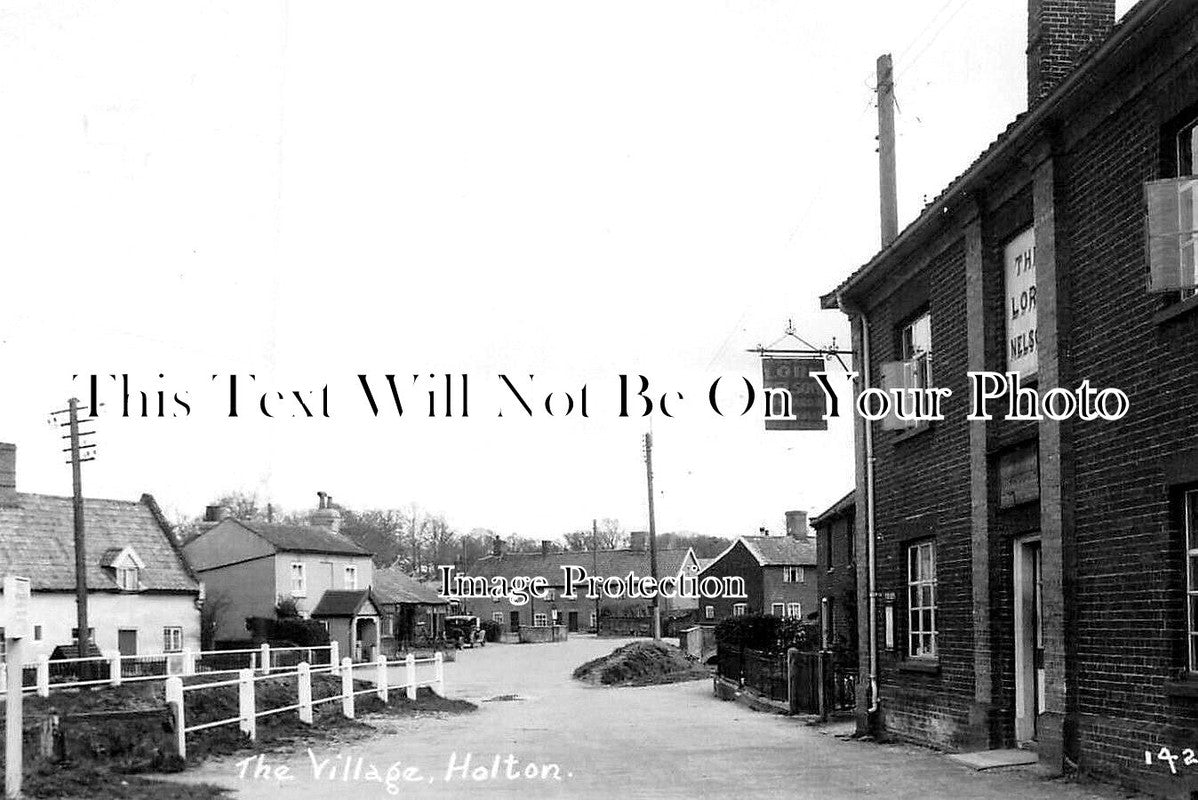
<point>326,514</point>
<point>637,540</point>
<point>1058,33</point>
<point>796,525</point>
<point>213,516</point>
<point>8,475</point>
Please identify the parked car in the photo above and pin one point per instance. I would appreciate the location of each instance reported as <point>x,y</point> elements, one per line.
<point>465,631</point>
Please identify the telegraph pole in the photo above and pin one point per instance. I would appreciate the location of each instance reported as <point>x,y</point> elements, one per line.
<point>652,534</point>
<point>595,565</point>
<point>79,454</point>
<point>887,182</point>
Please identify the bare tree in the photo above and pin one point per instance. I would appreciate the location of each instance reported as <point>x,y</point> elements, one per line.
<point>212,613</point>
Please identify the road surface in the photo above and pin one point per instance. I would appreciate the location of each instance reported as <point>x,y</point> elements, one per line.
<point>583,741</point>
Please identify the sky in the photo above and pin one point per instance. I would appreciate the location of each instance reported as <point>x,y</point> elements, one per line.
<point>306,192</point>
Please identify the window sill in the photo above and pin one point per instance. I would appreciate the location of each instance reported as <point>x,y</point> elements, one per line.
<point>904,436</point>
<point>925,666</point>
<point>1176,310</point>
<point>1182,688</point>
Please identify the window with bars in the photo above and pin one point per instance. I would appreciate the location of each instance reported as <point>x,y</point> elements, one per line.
<point>921,599</point>
<point>539,620</point>
<point>1191,530</point>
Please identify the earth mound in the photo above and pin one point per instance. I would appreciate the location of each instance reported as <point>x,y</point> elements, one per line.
<point>641,664</point>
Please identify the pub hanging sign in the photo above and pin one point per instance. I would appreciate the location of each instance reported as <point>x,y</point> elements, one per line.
<point>794,399</point>
<point>1019,261</point>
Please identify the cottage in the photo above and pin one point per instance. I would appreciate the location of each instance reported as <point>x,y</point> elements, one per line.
<point>353,621</point>
<point>142,597</point>
<point>411,611</point>
<point>836,574</point>
<point>1032,583</point>
<point>778,574</point>
<point>249,566</point>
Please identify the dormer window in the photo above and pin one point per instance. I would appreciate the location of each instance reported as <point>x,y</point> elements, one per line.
<point>125,567</point>
<point>126,578</point>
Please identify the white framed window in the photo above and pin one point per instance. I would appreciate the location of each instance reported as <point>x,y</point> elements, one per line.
<point>921,599</point>
<point>539,620</point>
<point>299,580</point>
<point>1172,206</point>
<point>917,348</point>
<point>497,616</point>
<point>793,574</point>
<point>708,612</point>
<point>172,639</point>
<point>778,609</point>
<point>1191,530</point>
<point>794,610</point>
<point>126,579</point>
<point>740,609</point>
<point>594,619</point>
<point>351,577</point>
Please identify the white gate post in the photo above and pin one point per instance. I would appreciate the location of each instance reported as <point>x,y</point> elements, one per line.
<point>189,662</point>
<point>381,678</point>
<point>347,687</point>
<point>174,698</point>
<point>411,665</point>
<point>265,658</point>
<point>43,676</point>
<point>245,697</point>
<point>439,672</point>
<point>304,679</point>
<point>335,656</point>
<point>114,670</point>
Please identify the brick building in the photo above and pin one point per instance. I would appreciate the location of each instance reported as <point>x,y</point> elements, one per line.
<point>836,573</point>
<point>1030,579</point>
<point>778,573</point>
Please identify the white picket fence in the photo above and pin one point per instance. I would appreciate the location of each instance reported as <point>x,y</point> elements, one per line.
<point>186,663</point>
<point>247,680</point>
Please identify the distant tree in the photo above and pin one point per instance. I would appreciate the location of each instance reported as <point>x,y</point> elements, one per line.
<point>611,536</point>
<point>286,608</point>
<point>704,546</point>
<point>212,613</point>
<point>244,505</point>
<point>378,531</point>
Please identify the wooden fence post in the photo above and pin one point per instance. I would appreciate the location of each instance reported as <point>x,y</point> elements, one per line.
<point>347,687</point>
<point>43,676</point>
<point>792,679</point>
<point>114,669</point>
<point>245,697</point>
<point>265,658</point>
<point>189,662</point>
<point>174,699</point>
<point>335,656</point>
<point>304,681</point>
<point>381,678</point>
<point>439,672</point>
<point>410,663</point>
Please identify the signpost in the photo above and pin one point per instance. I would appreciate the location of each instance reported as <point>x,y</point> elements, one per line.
<point>796,401</point>
<point>16,628</point>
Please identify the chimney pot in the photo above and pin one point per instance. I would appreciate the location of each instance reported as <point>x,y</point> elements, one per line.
<point>796,525</point>
<point>215,513</point>
<point>1059,33</point>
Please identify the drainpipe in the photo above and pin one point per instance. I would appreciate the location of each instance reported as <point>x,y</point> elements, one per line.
<point>870,529</point>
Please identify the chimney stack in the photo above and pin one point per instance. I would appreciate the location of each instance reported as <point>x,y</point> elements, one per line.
<point>796,525</point>
<point>1058,33</point>
<point>326,514</point>
<point>215,514</point>
<point>8,475</point>
<point>497,546</point>
<point>636,541</point>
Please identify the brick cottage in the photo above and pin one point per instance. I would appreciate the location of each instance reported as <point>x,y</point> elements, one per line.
<point>1035,584</point>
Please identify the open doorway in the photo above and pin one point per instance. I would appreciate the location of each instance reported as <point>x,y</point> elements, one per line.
<point>1029,638</point>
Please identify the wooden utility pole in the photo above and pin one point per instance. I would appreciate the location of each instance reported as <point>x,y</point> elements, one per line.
<point>595,565</point>
<point>652,535</point>
<point>81,638</point>
<point>887,179</point>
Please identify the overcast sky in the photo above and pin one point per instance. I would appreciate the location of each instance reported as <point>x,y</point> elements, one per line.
<point>573,190</point>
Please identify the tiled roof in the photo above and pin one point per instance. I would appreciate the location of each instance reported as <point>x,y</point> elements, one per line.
<point>837,509</point>
<point>604,563</point>
<point>392,586</point>
<point>780,550</point>
<point>303,538</point>
<point>37,540</point>
<point>340,602</point>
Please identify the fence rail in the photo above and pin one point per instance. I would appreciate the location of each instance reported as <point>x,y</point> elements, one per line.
<point>247,680</point>
<point>48,675</point>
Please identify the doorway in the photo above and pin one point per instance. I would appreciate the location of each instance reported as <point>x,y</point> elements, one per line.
<point>515,616</point>
<point>126,642</point>
<point>572,621</point>
<point>1029,638</point>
